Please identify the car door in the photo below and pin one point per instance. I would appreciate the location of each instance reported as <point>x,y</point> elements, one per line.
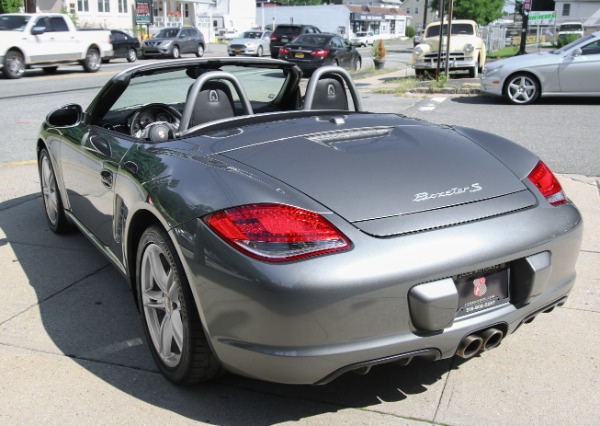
<point>120,44</point>
<point>580,74</point>
<point>342,53</point>
<point>90,165</point>
<point>65,43</point>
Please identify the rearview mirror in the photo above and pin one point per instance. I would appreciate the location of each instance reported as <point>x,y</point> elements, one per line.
<point>576,52</point>
<point>66,116</point>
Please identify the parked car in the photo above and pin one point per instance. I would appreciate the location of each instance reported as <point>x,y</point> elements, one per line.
<point>293,240</point>
<point>286,33</point>
<point>311,51</point>
<point>467,49</point>
<point>418,37</point>
<point>363,38</point>
<point>124,46</point>
<point>173,42</point>
<point>48,40</point>
<point>572,70</point>
<point>254,42</point>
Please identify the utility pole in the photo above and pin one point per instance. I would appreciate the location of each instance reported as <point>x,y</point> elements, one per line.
<point>425,15</point>
<point>30,6</point>
<point>524,27</point>
<point>439,57</point>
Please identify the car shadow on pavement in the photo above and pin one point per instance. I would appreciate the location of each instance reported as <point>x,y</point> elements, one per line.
<point>69,301</point>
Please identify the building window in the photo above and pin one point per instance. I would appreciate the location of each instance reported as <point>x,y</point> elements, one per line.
<point>408,10</point>
<point>83,6</point>
<point>122,6</point>
<point>104,6</point>
<point>566,9</point>
<point>186,10</point>
<point>416,10</point>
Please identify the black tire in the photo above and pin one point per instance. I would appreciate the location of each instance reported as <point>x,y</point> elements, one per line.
<point>50,70</point>
<point>357,65</point>
<point>522,89</point>
<point>14,65</point>
<point>473,72</point>
<point>105,60</point>
<point>190,360</point>
<point>53,206</point>
<point>200,51</point>
<point>131,55</point>
<point>92,60</point>
<point>259,51</point>
<point>175,53</point>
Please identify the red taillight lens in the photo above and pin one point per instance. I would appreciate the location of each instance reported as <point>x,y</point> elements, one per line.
<point>284,51</point>
<point>276,232</point>
<point>321,53</point>
<point>546,182</point>
<point>273,37</point>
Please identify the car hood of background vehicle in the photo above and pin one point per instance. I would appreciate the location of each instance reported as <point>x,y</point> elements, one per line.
<point>382,173</point>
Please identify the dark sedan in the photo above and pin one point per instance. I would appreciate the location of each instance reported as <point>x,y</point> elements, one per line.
<point>124,46</point>
<point>311,51</point>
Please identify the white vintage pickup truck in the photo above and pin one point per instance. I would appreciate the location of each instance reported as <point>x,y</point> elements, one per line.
<point>47,40</point>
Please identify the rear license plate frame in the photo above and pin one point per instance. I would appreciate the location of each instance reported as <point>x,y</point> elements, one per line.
<point>482,289</point>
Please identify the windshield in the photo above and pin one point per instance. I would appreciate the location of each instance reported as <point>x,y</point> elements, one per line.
<point>13,22</point>
<point>457,29</point>
<point>167,33</point>
<point>571,27</point>
<point>578,42</point>
<point>251,34</point>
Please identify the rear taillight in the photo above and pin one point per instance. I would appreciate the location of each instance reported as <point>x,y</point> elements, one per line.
<point>546,182</point>
<point>273,37</point>
<point>276,232</point>
<point>321,53</point>
<point>284,51</point>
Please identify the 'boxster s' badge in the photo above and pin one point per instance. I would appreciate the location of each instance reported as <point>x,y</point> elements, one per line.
<point>479,287</point>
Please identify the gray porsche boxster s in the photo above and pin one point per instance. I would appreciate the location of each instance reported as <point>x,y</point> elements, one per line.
<point>273,229</point>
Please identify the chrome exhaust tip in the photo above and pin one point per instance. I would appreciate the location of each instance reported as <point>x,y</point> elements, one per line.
<point>469,346</point>
<point>491,338</point>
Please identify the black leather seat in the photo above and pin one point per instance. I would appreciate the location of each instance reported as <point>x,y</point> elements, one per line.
<point>330,94</point>
<point>214,102</point>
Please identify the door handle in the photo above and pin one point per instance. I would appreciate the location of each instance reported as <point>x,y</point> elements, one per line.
<point>107,178</point>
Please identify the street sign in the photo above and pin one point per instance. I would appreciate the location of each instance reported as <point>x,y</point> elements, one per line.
<point>542,18</point>
<point>143,12</point>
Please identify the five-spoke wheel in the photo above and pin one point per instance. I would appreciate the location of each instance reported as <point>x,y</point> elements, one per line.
<point>522,89</point>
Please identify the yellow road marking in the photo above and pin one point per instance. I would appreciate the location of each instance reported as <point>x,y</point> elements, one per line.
<point>19,163</point>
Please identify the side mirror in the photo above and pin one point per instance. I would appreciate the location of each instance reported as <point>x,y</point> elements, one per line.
<point>576,52</point>
<point>66,116</point>
<point>38,30</point>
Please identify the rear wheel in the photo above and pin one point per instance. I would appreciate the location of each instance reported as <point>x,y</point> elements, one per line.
<point>14,65</point>
<point>522,89</point>
<point>200,51</point>
<point>357,64</point>
<point>259,51</point>
<point>53,206</point>
<point>171,322</point>
<point>131,55</point>
<point>92,60</point>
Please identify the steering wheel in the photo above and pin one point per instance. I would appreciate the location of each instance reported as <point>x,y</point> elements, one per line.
<point>155,127</point>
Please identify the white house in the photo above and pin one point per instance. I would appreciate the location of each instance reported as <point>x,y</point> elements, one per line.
<point>585,11</point>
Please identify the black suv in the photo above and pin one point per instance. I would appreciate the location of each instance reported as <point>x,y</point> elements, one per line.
<point>285,33</point>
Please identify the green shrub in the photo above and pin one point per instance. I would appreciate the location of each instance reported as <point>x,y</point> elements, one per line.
<point>410,32</point>
<point>9,6</point>
<point>563,40</point>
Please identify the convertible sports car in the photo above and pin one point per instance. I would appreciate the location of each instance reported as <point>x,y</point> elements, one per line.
<point>275,230</point>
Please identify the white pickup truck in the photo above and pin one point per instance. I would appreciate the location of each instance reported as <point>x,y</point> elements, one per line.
<point>47,40</point>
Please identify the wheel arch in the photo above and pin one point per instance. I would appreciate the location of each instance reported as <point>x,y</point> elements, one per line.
<point>17,49</point>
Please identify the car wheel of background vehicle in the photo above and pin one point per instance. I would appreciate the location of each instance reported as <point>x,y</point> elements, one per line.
<point>105,60</point>
<point>14,65</point>
<point>131,55</point>
<point>200,51</point>
<point>49,70</point>
<point>473,72</point>
<point>522,89</point>
<point>175,54</point>
<point>357,64</point>
<point>259,51</point>
<point>92,60</point>
<point>335,63</point>
<point>171,322</point>
<point>55,214</point>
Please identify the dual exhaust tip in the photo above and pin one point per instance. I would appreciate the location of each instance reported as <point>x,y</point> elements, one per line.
<point>480,341</point>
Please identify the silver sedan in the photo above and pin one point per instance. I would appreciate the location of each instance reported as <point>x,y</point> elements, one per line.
<point>572,70</point>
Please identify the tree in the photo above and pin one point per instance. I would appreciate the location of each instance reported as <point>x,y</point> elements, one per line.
<point>481,11</point>
<point>9,6</point>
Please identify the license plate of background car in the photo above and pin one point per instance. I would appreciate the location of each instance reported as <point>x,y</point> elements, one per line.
<point>482,289</point>
<point>299,55</point>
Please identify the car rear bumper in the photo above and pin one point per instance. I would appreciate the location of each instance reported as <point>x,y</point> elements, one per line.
<point>307,322</point>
